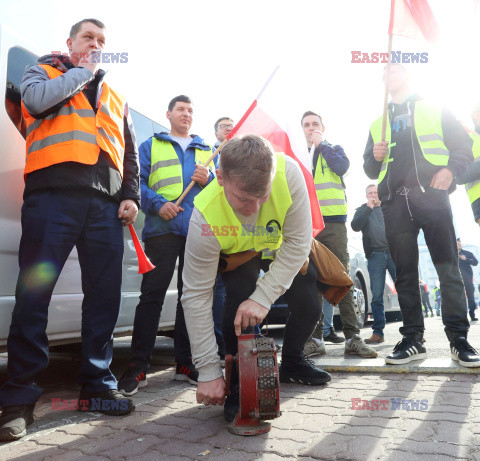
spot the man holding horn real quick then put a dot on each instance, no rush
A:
(258, 206)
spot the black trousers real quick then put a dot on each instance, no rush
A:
(470, 292)
(405, 214)
(302, 299)
(163, 251)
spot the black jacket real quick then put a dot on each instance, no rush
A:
(40, 96)
(466, 266)
(360, 224)
(456, 139)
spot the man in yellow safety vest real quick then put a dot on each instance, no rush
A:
(425, 148)
(168, 163)
(256, 205)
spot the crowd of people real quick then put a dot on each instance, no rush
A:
(85, 180)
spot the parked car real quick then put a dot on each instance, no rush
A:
(362, 294)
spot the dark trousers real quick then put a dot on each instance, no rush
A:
(404, 215)
(378, 264)
(334, 237)
(53, 222)
(163, 251)
(302, 299)
(470, 292)
(217, 308)
(426, 304)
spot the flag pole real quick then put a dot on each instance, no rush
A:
(214, 154)
(385, 96)
(229, 136)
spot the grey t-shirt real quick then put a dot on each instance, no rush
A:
(376, 229)
(183, 142)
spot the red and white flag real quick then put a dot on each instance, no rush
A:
(414, 19)
(266, 118)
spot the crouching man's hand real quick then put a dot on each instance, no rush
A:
(249, 314)
(211, 392)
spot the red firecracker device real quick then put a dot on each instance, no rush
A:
(257, 369)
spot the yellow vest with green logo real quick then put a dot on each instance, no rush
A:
(166, 176)
(266, 235)
(428, 129)
(473, 188)
(330, 192)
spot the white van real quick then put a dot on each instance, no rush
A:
(64, 317)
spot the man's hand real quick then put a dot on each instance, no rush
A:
(442, 179)
(249, 314)
(169, 210)
(211, 392)
(201, 175)
(90, 61)
(128, 211)
(462, 257)
(380, 150)
(371, 202)
(316, 138)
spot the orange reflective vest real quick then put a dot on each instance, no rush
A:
(75, 133)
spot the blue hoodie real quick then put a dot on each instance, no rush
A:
(151, 202)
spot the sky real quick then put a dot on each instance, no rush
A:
(221, 53)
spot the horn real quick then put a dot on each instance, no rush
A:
(144, 264)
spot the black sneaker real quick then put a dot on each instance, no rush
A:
(464, 353)
(109, 402)
(186, 372)
(232, 403)
(408, 349)
(14, 421)
(133, 379)
(303, 372)
(334, 338)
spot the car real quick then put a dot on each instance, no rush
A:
(362, 294)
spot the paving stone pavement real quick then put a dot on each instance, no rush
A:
(317, 423)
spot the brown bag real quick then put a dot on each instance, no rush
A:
(229, 263)
(334, 281)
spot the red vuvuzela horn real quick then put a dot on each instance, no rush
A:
(144, 264)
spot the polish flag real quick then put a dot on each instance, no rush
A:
(285, 134)
(414, 19)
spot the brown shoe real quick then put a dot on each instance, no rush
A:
(374, 339)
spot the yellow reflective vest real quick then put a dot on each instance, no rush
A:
(266, 235)
(330, 192)
(166, 176)
(428, 129)
(473, 188)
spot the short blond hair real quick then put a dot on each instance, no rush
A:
(251, 161)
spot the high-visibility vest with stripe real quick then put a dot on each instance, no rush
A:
(428, 129)
(330, 193)
(75, 133)
(166, 176)
(266, 235)
(473, 188)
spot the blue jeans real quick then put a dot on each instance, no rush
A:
(328, 318)
(378, 264)
(53, 222)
